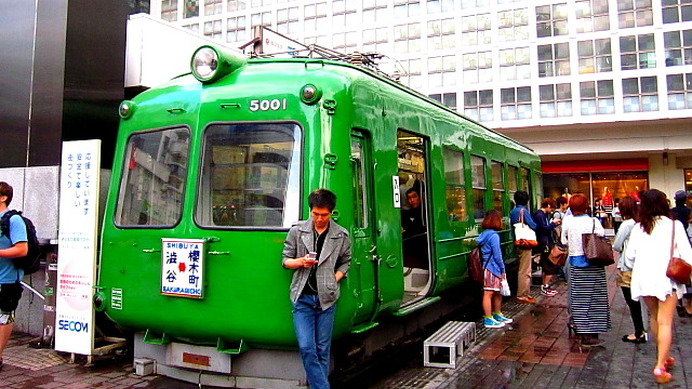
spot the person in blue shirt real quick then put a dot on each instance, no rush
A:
(521, 199)
(12, 246)
(493, 270)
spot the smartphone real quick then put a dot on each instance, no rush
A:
(312, 256)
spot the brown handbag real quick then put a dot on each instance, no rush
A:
(597, 249)
(678, 270)
(557, 255)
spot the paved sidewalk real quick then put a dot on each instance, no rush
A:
(536, 351)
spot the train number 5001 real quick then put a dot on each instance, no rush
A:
(267, 105)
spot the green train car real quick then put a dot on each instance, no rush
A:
(213, 168)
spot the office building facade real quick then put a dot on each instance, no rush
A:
(601, 89)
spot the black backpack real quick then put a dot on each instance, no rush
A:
(32, 261)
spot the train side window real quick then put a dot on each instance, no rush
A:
(250, 175)
(479, 186)
(153, 179)
(455, 185)
(525, 184)
(360, 217)
(512, 177)
(498, 184)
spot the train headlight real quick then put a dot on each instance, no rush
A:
(127, 108)
(210, 64)
(99, 301)
(310, 94)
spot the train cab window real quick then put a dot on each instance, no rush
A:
(479, 186)
(455, 185)
(249, 175)
(153, 179)
(498, 184)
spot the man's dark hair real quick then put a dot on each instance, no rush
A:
(628, 207)
(560, 201)
(412, 190)
(6, 190)
(322, 198)
(521, 197)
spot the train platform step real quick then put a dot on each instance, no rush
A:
(444, 347)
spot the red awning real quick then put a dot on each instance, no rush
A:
(599, 165)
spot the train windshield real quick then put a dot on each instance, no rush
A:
(250, 175)
(151, 190)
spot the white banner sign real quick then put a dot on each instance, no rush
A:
(182, 265)
(77, 244)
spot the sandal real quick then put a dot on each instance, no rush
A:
(662, 375)
(632, 338)
(670, 362)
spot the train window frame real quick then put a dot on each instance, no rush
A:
(479, 189)
(292, 204)
(361, 181)
(127, 167)
(497, 168)
(455, 185)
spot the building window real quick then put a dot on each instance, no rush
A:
(475, 30)
(468, 4)
(212, 29)
(513, 25)
(592, 15)
(635, 13)
(236, 5)
(441, 34)
(194, 27)
(679, 91)
(374, 10)
(640, 94)
(595, 56)
(448, 99)
(442, 71)
(553, 60)
(597, 97)
(678, 47)
(260, 3)
(236, 30)
(287, 20)
(407, 38)
(406, 8)
(344, 12)
(551, 20)
(438, 6)
(514, 64)
(412, 77)
(315, 15)
(478, 67)
(479, 186)
(261, 19)
(556, 100)
(374, 40)
(169, 10)
(516, 103)
(191, 8)
(345, 41)
(213, 7)
(479, 105)
(676, 11)
(637, 52)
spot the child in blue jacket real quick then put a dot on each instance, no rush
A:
(494, 272)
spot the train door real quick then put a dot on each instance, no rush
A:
(363, 250)
(415, 215)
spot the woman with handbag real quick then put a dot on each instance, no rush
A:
(628, 209)
(588, 292)
(521, 216)
(493, 270)
(654, 241)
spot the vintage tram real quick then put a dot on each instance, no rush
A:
(212, 169)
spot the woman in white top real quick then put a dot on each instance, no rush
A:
(649, 249)
(588, 292)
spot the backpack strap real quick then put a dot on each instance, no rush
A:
(5, 222)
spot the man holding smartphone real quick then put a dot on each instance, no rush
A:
(319, 250)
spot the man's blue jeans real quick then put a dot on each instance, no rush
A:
(314, 333)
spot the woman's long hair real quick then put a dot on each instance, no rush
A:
(653, 204)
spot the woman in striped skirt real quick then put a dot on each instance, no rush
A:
(588, 292)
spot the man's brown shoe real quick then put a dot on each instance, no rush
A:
(526, 300)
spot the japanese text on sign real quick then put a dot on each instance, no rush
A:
(181, 267)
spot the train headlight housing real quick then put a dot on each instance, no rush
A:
(209, 64)
(310, 94)
(127, 108)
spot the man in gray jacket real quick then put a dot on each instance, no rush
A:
(319, 251)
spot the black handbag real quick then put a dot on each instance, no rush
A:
(597, 249)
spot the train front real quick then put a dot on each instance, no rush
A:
(206, 182)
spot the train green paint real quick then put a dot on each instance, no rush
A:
(231, 162)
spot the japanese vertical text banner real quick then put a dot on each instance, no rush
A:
(77, 239)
